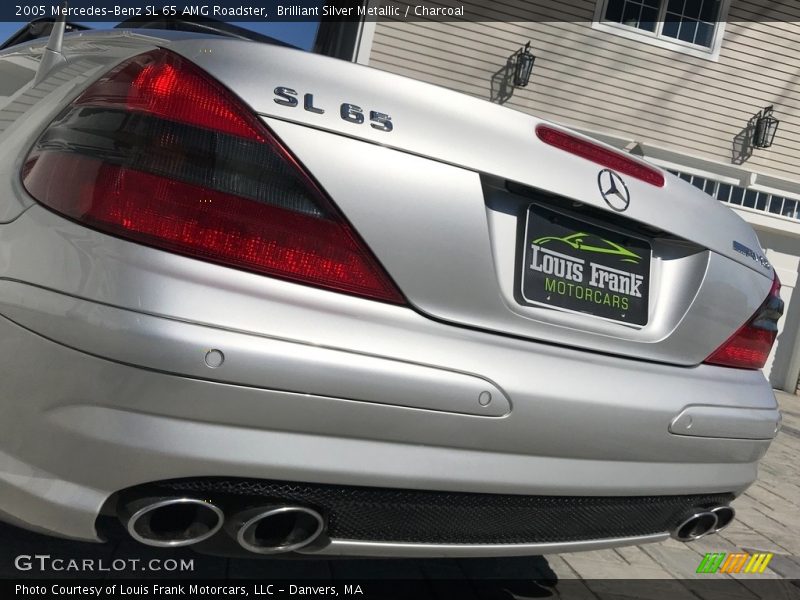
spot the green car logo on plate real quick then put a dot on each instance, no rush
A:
(596, 245)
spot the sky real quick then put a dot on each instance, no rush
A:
(299, 34)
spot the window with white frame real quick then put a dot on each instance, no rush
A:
(734, 194)
(695, 23)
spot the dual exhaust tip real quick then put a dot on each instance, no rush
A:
(702, 522)
(178, 522)
(276, 529)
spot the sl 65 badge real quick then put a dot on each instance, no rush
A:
(352, 113)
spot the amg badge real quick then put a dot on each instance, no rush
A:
(742, 249)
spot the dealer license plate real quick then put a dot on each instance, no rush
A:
(573, 265)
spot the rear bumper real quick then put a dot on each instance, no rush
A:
(96, 399)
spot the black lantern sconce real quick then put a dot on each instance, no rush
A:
(766, 127)
(522, 71)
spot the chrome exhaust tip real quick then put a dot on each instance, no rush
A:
(171, 522)
(276, 529)
(725, 515)
(698, 524)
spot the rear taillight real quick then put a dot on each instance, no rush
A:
(596, 153)
(159, 153)
(750, 346)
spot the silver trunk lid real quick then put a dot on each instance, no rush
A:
(441, 200)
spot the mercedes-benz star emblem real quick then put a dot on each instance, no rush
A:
(614, 190)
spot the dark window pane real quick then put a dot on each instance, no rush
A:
(681, 21)
(675, 6)
(724, 192)
(709, 186)
(698, 182)
(670, 29)
(775, 205)
(710, 10)
(750, 199)
(705, 34)
(761, 203)
(649, 18)
(652, 3)
(614, 10)
(790, 208)
(630, 15)
(686, 177)
(736, 195)
(691, 9)
(687, 31)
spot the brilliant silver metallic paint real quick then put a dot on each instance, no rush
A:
(441, 212)
(103, 342)
(395, 550)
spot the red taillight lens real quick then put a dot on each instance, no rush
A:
(163, 84)
(750, 346)
(600, 155)
(159, 153)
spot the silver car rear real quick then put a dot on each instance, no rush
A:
(352, 413)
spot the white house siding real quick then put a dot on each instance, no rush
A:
(680, 108)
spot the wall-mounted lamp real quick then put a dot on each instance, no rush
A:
(522, 71)
(766, 128)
